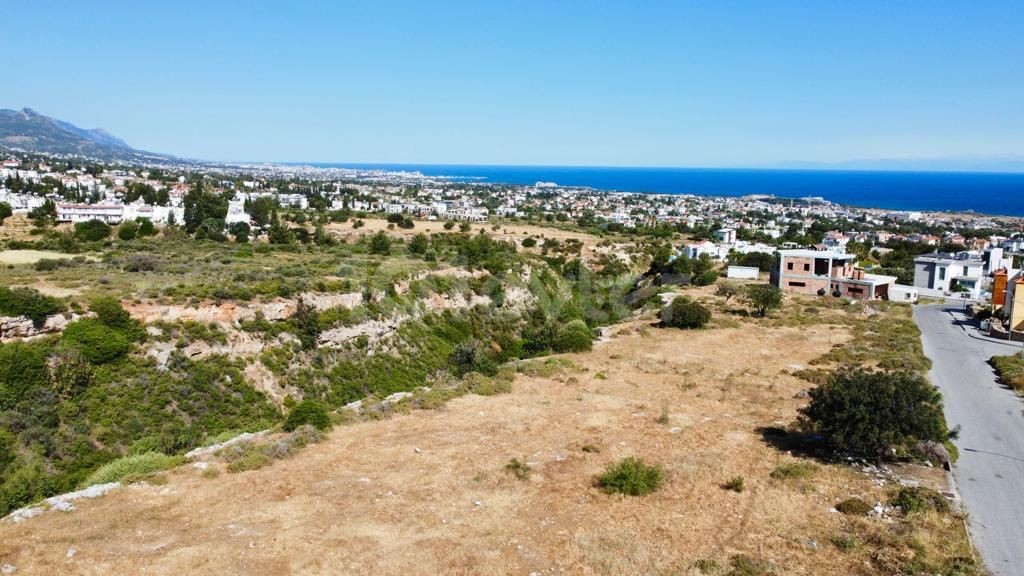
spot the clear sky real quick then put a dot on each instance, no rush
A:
(702, 83)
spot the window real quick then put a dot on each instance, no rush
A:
(965, 270)
(789, 266)
(797, 284)
(855, 290)
(807, 267)
(942, 273)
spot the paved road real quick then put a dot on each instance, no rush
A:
(990, 472)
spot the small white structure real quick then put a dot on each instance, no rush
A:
(902, 293)
(743, 272)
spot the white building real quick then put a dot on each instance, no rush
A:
(937, 272)
(109, 213)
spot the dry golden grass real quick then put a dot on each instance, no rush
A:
(428, 493)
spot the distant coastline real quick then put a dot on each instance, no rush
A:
(990, 193)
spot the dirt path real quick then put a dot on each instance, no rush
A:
(426, 493)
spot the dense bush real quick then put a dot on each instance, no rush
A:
(128, 230)
(92, 230)
(96, 341)
(22, 367)
(705, 278)
(685, 313)
(110, 312)
(380, 244)
(308, 412)
(631, 476)
(575, 336)
(870, 412)
(146, 227)
(30, 303)
(854, 507)
(914, 500)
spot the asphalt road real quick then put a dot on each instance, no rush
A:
(990, 472)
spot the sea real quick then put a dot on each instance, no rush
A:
(994, 193)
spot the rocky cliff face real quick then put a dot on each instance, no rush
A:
(13, 327)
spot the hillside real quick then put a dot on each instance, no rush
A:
(429, 492)
(29, 130)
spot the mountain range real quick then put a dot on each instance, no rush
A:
(27, 129)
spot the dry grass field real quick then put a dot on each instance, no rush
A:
(427, 492)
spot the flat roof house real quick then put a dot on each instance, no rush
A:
(819, 273)
(937, 272)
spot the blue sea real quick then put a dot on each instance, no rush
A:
(983, 192)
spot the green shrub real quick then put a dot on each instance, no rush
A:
(22, 368)
(869, 412)
(1010, 370)
(146, 227)
(128, 230)
(914, 500)
(685, 313)
(793, 470)
(110, 312)
(631, 476)
(92, 230)
(854, 507)
(575, 336)
(736, 484)
(741, 565)
(308, 412)
(131, 468)
(98, 342)
(30, 303)
(521, 470)
(252, 458)
(705, 278)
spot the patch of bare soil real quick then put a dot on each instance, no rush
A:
(428, 493)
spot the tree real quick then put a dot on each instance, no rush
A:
(307, 324)
(201, 205)
(128, 230)
(279, 232)
(211, 229)
(260, 210)
(419, 244)
(727, 290)
(146, 227)
(44, 214)
(870, 412)
(240, 230)
(5, 212)
(685, 313)
(92, 230)
(763, 297)
(449, 225)
(380, 244)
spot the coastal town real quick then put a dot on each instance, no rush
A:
(816, 246)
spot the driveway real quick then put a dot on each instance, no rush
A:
(990, 472)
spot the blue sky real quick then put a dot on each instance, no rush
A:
(722, 83)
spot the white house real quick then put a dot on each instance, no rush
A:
(708, 247)
(726, 235)
(938, 272)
